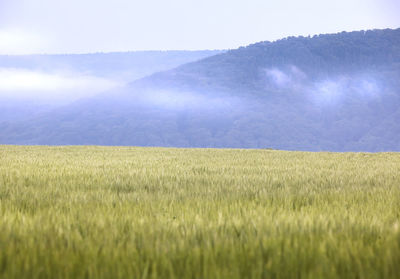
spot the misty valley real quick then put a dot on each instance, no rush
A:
(337, 92)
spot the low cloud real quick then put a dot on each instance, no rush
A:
(332, 91)
(278, 77)
(183, 100)
(291, 77)
(34, 84)
(327, 91)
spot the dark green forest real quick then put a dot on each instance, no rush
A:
(335, 92)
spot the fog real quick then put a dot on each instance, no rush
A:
(64, 86)
(57, 86)
(253, 97)
(285, 78)
(334, 109)
(326, 91)
(189, 100)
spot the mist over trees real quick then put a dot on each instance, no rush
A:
(33, 84)
(337, 92)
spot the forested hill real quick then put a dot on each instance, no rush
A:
(32, 84)
(320, 56)
(337, 92)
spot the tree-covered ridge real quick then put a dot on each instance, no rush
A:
(338, 92)
(318, 56)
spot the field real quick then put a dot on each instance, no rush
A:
(122, 212)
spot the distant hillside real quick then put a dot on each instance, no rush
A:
(96, 71)
(122, 65)
(338, 92)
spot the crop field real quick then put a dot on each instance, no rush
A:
(125, 212)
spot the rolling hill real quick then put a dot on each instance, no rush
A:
(32, 84)
(336, 92)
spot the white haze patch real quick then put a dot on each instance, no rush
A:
(183, 100)
(334, 90)
(278, 78)
(67, 86)
(289, 78)
(326, 92)
(367, 87)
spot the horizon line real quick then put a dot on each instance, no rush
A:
(196, 50)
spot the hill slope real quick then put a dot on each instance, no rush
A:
(27, 81)
(334, 92)
(123, 65)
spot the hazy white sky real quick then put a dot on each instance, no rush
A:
(76, 26)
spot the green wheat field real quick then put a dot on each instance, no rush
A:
(125, 212)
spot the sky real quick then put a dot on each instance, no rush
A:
(84, 26)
